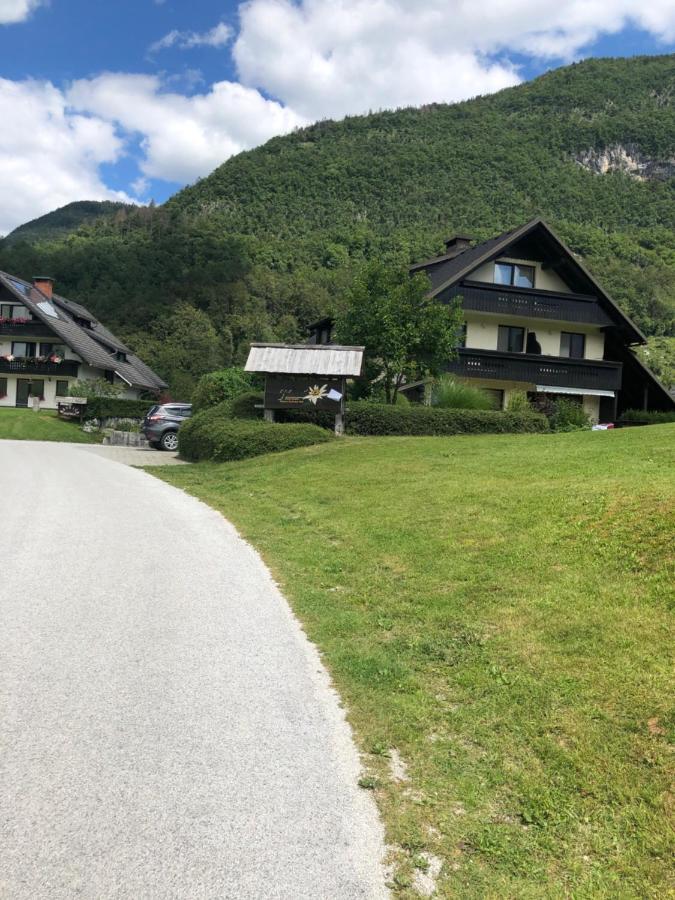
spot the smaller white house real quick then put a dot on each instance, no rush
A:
(47, 342)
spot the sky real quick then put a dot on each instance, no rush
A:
(132, 99)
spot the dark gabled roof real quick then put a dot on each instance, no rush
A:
(96, 345)
(445, 271)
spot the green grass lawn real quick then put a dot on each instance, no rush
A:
(495, 608)
(27, 425)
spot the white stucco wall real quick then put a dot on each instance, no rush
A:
(482, 331)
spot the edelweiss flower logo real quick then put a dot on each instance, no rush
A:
(316, 393)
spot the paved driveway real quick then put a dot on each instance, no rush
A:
(167, 731)
(134, 456)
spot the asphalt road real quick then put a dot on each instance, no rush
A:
(167, 730)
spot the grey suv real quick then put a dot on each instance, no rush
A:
(161, 424)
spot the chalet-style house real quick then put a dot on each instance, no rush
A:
(47, 342)
(537, 321)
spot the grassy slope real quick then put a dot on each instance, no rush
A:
(496, 609)
(26, 425)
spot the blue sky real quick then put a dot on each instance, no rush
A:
(135, 98)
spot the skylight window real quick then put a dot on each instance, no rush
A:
(20, 287)
(46, 307)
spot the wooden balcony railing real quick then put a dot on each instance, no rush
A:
(28, 366)
(26, 329)
(534, 369)
(531, 303)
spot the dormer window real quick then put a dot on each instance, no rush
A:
(514, 274)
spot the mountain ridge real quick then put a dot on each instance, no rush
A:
(271, 238)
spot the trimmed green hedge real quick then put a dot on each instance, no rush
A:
(118, 407)
(218, 438)
(244, 406)
(650, 417)
(380, 419)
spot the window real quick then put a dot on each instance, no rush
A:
(47, 349)
(514, 274)
(572, 345)
(3, 388)
(61, 388)
(510, 339)
(23, 348)
(10, 311)
(461, 336)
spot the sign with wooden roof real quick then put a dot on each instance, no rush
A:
(309, 376)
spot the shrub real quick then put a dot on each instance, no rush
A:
(244, 406)
(116, 407)
(214, 437)
(568, 415)
(380, 419)
(225, 384)
(448, 393)
(127, 425)
(94, 387)
(518, 402)
(649, 416)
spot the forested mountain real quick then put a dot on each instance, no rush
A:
(269, 240)
(63, 220)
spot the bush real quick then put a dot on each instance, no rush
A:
(116, 407)
(568, 415)
(649, 416)
(448, 393)
(94, 387)
(214, 437)
(380, 419)
(244, 406)
(215, 387)
(518, 402)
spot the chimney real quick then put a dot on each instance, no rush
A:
(457, 244)
(45, 284)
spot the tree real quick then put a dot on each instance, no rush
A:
(407, 335)
(181, 348)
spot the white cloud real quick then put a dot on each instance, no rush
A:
(327, 58)
(183, 137)
(49, 157)
(318, 58)
(12, 11)
(217, 36)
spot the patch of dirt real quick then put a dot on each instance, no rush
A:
(424, 880)
(398, 766)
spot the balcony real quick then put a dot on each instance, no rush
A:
(32, 328)
(28, 366)
(531, 303)
(553, 371)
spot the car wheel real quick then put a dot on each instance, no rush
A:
(169, 440)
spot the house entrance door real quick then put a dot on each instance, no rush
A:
(22, 391)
